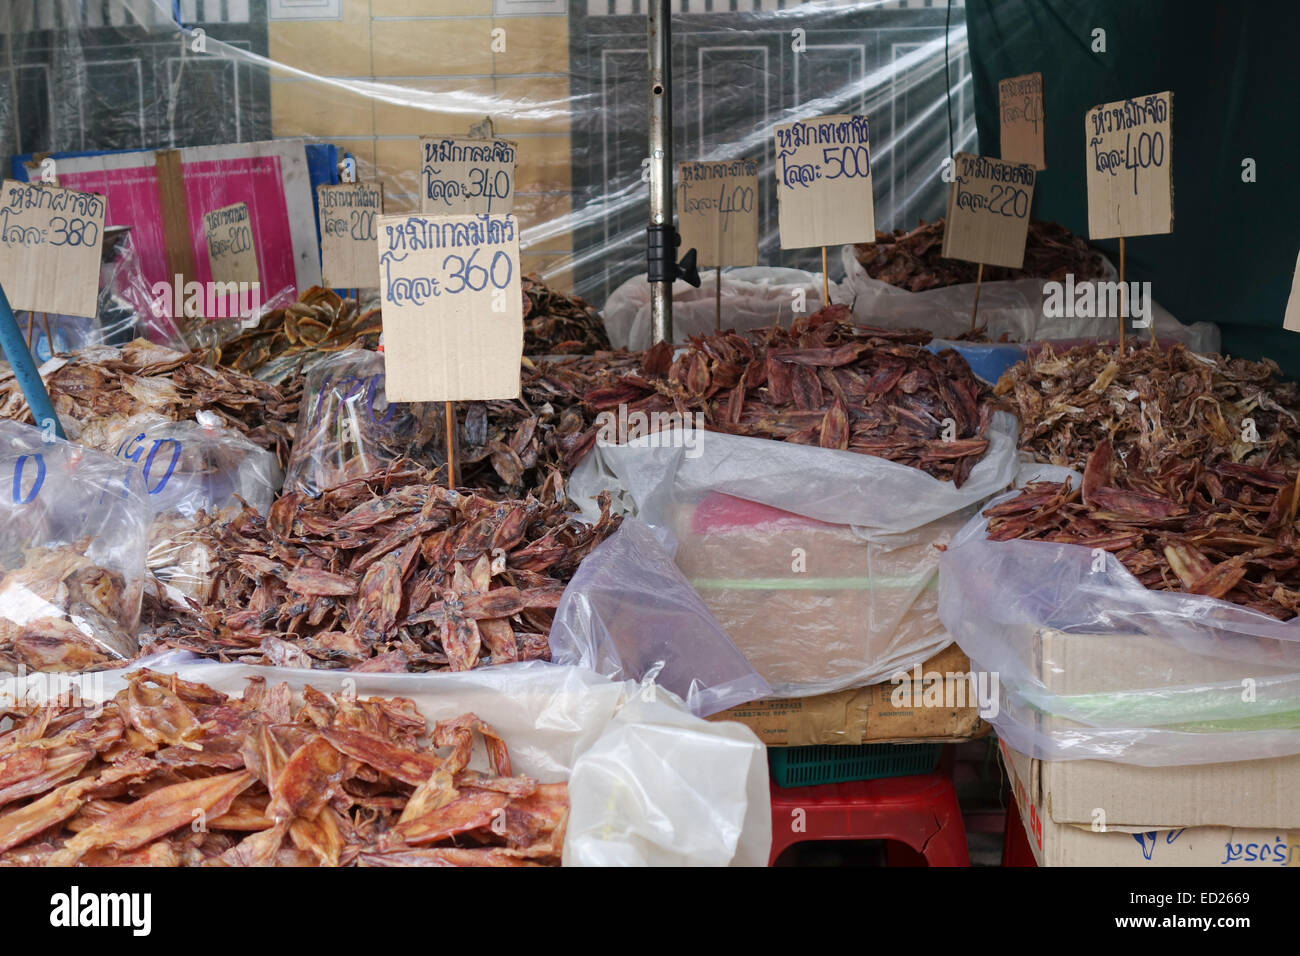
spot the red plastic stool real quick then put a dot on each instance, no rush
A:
(920, 811)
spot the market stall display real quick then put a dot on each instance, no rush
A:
(559, 324)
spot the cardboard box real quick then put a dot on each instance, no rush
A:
(812, 605)
(865, 714)
(1056, 841)
(1247, 793)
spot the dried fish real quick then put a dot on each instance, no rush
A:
(171, 773)
(284, 341)
(558, 324)
(1155, 406)
(912, 260)
(1201, 527)
(824, 382)
(96, 390)
(388, 571)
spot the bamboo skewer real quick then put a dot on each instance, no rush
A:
(975, 307)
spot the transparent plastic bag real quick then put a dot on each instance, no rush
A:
(752, 298)
(72, 556)
(649, 783)
(1013, 307)
(629, 614)
(190, 473)
(347, 427)
(819, 564)
(1094, 666)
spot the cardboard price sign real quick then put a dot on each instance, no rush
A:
(460, 176)
(453, 307)
(231, 251)
(717, 211)
(1020, 103)
(348, 218)
(1291, 321)
(1130, 167)
(823, 182)
(49, 248)
(988, 211)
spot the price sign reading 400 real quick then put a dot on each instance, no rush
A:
(453, 307)
(1129, 166)
(823, 182)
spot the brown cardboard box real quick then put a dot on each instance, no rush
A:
(1055, 842)
(863, 715)
(812, 605)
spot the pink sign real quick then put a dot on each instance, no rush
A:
(133, 200)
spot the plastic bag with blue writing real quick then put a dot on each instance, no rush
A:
(190, 474)
(72, 555)
(347, 427)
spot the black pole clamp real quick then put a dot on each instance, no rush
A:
(661, 257)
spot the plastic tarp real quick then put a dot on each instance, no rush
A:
(1093, 666)
(649, 784)
(564, 79)
(1013, 307)
(864, 605)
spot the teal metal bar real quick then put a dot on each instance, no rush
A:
(20, 359)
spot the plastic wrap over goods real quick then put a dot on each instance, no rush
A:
(752, 298)
(1021, 309)
(649, 784)
(820, 564)
(1091, 665)
(72, 555)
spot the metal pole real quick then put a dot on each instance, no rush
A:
(661, 159)
(29, 379)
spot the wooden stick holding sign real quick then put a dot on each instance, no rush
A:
(452, 311)
(1130, 176)
(717, 214)
(823, 185)
(50, 240)
(462, 176)
(988, 214)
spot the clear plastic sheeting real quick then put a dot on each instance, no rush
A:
(347, 427)
(1093, 666)
(72, 556)
(1015, 308)
(649, 784)
(752, 298)
(565, 79)
(820, 564)
(629, 614)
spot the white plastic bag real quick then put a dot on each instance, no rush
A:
(629, 614)
(752, 298)
(1094, 666)
(649, 784)
(1014, 307)
(865, 607)
(72, 555)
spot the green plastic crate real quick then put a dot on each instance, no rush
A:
(810, 766)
